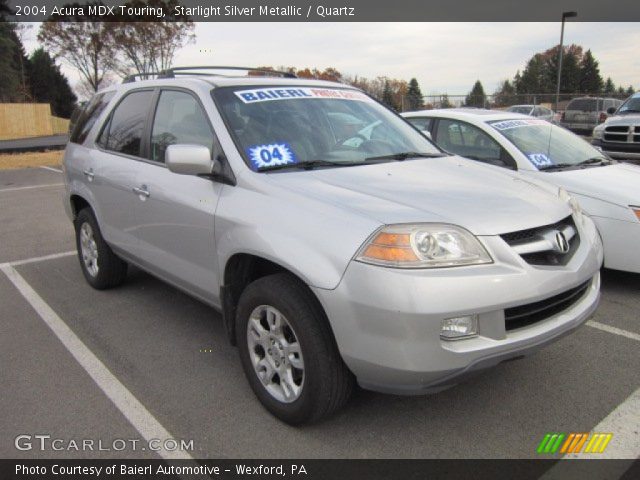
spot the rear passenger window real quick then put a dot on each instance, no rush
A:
(179, 119)
(124, 132)
(420, 123)
(88, 116)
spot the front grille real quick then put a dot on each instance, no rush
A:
(525, 315)
(622, 134)
(526, 242)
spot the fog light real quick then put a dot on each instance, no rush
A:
(459, 327)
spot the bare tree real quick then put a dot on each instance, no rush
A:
(150, 46)
(85, 46)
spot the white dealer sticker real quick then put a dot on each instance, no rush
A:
(508, 124)
(270, 94)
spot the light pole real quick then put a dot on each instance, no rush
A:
(565, 15)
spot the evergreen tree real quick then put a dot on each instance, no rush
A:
(609, 88)
(630, 90)
(505, 95)
(476, 97)
(13, 62)
(49, 85)
(590, 79)
(414, 95)
(444, 101)
(387, 96)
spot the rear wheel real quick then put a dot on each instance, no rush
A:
(288, 352)
(101, 267)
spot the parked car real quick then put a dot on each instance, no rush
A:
(608, 191)
(537, 111)
(619, 135)
(374, 257)
(584, 113)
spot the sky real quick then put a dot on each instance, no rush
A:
(444, 57)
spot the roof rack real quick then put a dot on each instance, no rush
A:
(172, 72)
(143, 76)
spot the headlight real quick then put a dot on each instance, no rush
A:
(429, 245)
(598, 132)
(573, 203)
(636, 210)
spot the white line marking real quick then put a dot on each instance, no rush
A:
(141, 419)
(624, 425)
(44, 258)
(31, 187)
(614, 330)
(51, 169)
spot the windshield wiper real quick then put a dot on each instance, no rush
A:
(594, 161)
(589, 161)
(308, 165)
(404, 155)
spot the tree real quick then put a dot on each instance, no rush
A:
(84, 45)
(630, 90)
(609, 87)
(149, 46)
(49, 85)
(590, 79)
(414, 95)
(387, 96)
(13, 60)
(444, 101)
(476, 97)
(505, 95)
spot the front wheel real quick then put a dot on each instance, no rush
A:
(288, 352)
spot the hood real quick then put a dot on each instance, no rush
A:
(625, 119)
(618, 183)
(485, 200)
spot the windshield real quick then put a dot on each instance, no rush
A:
(547, 146)
(520, 109)
(631, 105)
(288, 125)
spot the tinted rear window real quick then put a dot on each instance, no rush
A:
(127, 122)
(583, 105)
(89, 115)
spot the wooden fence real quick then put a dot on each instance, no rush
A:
(22, 120)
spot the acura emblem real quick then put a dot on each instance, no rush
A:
(561, 243)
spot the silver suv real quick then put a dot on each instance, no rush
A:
(619, 136)
(339, 244)
(584, 113)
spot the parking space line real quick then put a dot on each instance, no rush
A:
(31, 187)
(51, 169)
(44, 258)
(614, 330)
(133, 410)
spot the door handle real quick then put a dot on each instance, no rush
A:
(142, 190)
(89, 174)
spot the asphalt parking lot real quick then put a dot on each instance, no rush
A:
(145, 360)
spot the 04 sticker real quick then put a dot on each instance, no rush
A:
(270, 155)
(540, 159)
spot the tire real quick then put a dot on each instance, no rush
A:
(102, 269)
(324, 385)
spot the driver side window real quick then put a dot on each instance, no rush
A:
(469, 141)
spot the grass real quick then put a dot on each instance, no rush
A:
(28, 160)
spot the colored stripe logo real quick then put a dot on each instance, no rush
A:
(574, 443)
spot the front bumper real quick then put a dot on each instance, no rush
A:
(620, 151)
(387, 321)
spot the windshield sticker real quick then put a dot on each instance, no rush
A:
(509, 124)
(270, 94)
(540, 159)
(270, 155)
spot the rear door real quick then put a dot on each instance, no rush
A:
(176, 212)
(114, 168)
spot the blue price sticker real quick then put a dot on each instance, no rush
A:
(270, 155)
(540, 159)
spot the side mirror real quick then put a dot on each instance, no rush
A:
(189, 159)
(611, 110)
(427, 134)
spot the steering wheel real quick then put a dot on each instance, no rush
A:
(342, 141)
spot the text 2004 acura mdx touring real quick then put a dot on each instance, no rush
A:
(339, 243)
